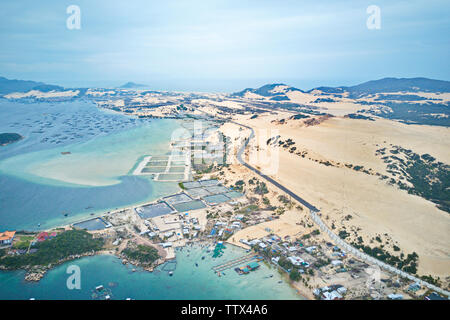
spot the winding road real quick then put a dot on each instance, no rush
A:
(339, 241)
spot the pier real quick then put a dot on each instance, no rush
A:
(235, 262)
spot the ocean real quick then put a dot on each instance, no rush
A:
(39, 184)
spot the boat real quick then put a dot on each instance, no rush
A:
(170, 273)
(100, 287)
(196, 264)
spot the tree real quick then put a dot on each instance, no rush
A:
(295, 275)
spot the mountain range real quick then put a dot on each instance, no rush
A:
(276, 91)
(9, 86)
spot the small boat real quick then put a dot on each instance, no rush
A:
(203, 258)
(100, 287)
(170, 273)
(196, 264)
(39, 224)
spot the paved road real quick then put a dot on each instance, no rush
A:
(289, 192)
(339, 241)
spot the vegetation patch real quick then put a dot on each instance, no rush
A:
(143, 254)
(66, 244)
(428, 178)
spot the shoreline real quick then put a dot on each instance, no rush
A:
(35, 277)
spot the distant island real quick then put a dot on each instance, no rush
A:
(133, 85)
(8, 138)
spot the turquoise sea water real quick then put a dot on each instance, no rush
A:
(187, 282)
(39, 184)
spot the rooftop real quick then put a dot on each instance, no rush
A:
(7, 235)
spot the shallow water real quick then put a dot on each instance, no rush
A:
(39, 184)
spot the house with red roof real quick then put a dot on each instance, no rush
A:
(42, 236)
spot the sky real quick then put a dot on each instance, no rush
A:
(223, 45)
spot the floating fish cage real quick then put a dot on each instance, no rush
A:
(101, 293)
(218, 250)
(169, 266)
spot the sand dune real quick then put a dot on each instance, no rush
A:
(410, 222)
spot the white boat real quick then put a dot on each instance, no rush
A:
(100, 287)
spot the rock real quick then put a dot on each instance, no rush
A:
(34, 276)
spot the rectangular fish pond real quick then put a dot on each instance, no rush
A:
(215, 199)
(154, 210)
(187, 206)
(92, 224)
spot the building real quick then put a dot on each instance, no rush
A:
(253, 265)
(434, 296)
(394, 296)
(311, 249)
(262, 245)
(336, 262)
(7, 237)
(296, 261)
(42, 236)
(166, 244)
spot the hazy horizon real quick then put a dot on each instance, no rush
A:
(223, 46)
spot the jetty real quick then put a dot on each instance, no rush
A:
(234, 262)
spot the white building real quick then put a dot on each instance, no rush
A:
(262, 245)
(336, 262)
(296, 261)
(311, 249)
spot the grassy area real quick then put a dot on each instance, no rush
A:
(72, 242)
(23, 242)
